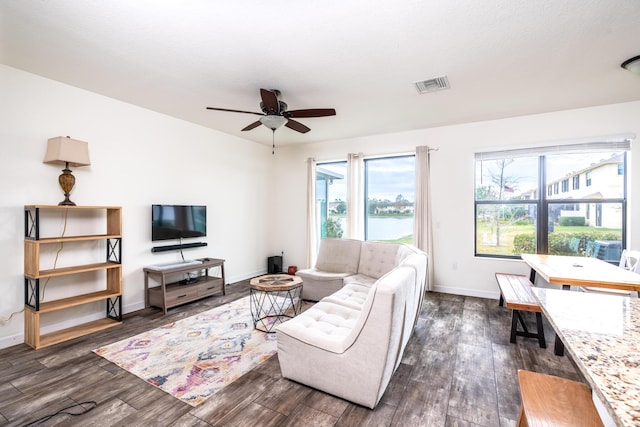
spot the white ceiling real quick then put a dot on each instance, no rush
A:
(503, 58)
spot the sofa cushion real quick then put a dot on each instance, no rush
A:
(318, 284)
(353, 296)
(377, 259)
(321, 276)
(359, 279)
(325, 325)
(339, 256)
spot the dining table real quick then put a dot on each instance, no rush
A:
(580, 271)
(601, 333)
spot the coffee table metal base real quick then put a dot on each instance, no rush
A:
(270, 307)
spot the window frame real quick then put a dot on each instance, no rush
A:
(365, 192)
(320, 229)
(543, 202)
(365, 217)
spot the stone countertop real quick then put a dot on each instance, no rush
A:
(602, 334)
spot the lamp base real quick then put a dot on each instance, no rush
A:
(66, 181)
(66, 202)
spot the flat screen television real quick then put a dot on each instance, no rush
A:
(170, 222)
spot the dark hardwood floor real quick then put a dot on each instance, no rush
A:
(459, 369)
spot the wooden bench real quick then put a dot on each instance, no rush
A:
(553, 401)
(516, 294)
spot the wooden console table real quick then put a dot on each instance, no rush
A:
(169, 295)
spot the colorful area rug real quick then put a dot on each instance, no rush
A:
(194, 358)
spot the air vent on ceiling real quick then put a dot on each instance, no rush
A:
(432, 85)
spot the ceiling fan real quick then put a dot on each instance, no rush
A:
(275, 114)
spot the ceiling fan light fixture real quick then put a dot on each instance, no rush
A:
(273, 122)
(632, 64)
(275, 115)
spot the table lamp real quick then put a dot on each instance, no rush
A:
(69, 152)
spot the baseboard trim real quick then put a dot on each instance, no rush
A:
(246, 276)
(130, 308)
(12, 340)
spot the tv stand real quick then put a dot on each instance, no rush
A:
(169, 295)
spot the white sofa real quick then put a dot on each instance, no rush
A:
(344, 261)
(351, 342)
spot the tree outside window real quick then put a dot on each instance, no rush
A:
(331, 192)
(505, 203)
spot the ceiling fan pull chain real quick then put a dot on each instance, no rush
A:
(273, 141)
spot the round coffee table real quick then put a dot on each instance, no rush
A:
(274, 298)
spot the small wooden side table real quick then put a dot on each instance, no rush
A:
(274, 298)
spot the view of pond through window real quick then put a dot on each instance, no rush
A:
(389, 199)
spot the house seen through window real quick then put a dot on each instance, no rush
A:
(518, 208)
(331, 199)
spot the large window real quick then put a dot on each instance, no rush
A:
(390, 198)
(518, 208)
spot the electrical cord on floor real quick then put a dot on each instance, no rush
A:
(73, 410)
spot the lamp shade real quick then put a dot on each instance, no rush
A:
(66, 150)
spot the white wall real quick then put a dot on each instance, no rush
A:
(456, 269)
(138, 157)
(256, 202)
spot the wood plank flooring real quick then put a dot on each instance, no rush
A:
(459, 369)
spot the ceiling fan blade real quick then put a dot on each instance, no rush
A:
(297, 126)
(234, 111)
(311, 112)
(270, 100)
(253, 125)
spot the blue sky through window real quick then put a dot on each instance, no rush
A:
(388, 177)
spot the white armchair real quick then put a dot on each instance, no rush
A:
(337, 259)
